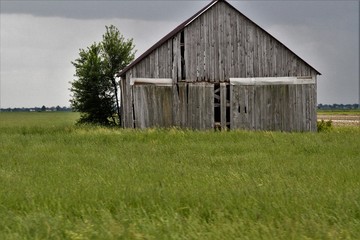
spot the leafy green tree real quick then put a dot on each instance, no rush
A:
(95, 89)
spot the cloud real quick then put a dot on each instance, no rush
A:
(39, 39)
(36, 54)
(142, 10)
(323, 33)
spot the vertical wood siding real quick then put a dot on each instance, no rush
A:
(273, 107)
(222, 44)
(218, 45)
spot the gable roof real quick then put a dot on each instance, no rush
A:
(187, 22)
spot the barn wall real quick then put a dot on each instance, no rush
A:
(126, 102)
(219, 45)
(290, 107)
(222, 44)
(156, 106)
(153, 106)
(274, 107)
(161, 63)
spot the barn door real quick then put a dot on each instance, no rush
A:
(241, 106)
(280, 104)
(200, 106)
(152, 106)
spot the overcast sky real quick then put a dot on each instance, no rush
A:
(39, 39)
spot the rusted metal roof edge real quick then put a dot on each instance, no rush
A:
(187, 22)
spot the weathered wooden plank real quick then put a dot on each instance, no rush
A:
(257, 109)
(293, 109)
(152, 81)
(298, 108)
(204, 47)
(265, 116)
(256, 53)
(228, 70)
(285, 109)
(191, 104)
(234, 106)
(235, 44)
(151, 65)
(140, 107)
(216, 37)
(183, 98)
(221, 42)
(272, 80)
(128, 102)
(245, 119)
(241, 107)
(303, 101)
(123, 101)
(282, 107)
(314, 105)
(209, 109)
(170, 60)
(252, 112)
(175, 106)
(262, 110)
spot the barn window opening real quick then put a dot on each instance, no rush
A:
(182, 53)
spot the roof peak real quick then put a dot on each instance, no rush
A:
(171, 34)
(189, 21)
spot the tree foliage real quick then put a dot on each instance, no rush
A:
(95, 89)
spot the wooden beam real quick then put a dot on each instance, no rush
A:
(151, 81)
(272, 81)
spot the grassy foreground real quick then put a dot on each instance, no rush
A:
(59, 181)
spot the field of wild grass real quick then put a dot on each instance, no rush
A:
(60, 181)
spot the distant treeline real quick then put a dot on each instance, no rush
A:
(38, 109)
(338, 106)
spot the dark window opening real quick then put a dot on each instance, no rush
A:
(182, 52)
(217, 110)
(228, 106)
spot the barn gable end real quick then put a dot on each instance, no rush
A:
(200, 57)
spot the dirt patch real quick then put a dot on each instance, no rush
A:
(341, 120)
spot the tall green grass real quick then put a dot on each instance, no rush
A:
(59, 181)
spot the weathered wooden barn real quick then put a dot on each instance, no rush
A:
(219, 69)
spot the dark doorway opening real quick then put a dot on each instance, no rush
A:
(217, 108)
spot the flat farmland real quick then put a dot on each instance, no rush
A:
(341, 118)
(61, 181)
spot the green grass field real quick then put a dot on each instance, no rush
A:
(60, 181)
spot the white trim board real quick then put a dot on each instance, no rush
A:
(272, 81)
(151, 81)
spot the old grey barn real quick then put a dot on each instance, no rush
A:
(219, 69)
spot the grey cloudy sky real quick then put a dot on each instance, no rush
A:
(39, 39)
